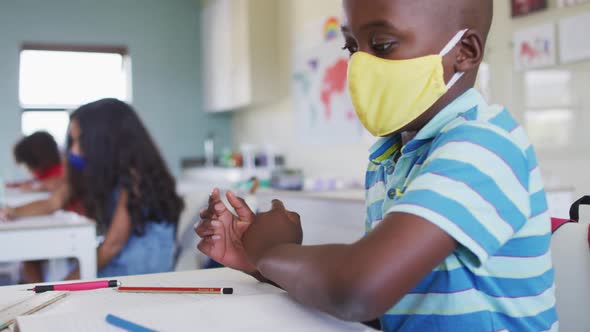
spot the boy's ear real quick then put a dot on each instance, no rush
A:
(470, 55)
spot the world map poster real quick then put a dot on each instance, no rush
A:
(323, 111)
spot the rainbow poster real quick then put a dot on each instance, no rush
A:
(332, 29)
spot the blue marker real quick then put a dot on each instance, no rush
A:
(126, 325)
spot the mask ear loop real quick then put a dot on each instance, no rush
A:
(454, 80)
(456, 39)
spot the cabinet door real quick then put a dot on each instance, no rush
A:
(225, 55)
(241, 65)
(215, 32)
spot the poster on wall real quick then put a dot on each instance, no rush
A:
(535, 47)
(323, 110)
(525, 7)
(567, 3)
(573, 38)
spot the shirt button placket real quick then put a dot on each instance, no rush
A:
(391, 193)
(390, 169)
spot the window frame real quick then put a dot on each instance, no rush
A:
(59, 47)
(80, 48)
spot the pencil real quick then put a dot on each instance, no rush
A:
(126, 325)
(190, 290)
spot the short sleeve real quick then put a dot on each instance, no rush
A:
(474, 186)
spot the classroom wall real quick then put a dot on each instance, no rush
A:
(562, 169)
(163, 40)
(274, 122)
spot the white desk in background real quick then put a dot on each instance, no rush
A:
(61, 235)
(17, 197)
(254, 306)
(326, 217)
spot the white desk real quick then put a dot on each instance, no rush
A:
(253, 307)
(60, 235)
(326, 217)
(17, 197)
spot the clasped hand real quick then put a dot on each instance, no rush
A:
(241, 241)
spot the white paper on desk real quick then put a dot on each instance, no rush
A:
(271, 312)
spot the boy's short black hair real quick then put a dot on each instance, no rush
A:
(38, 151)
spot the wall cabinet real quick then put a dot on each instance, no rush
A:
(239, 53)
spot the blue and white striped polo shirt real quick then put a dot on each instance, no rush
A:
(472, 172)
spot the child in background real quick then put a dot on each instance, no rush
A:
(117, 177)
(39, 153)
(458, 229)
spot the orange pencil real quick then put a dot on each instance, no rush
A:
(177, 290)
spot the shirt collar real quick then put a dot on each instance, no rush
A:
(386, 147)
(462, 104)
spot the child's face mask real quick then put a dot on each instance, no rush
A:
(77, 162)
(389, 94)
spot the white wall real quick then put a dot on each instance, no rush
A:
(562, 168)
(274, 122)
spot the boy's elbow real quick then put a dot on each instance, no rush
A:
(356, 303)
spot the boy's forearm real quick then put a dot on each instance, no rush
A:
(318, 276)
(360, 281)
(258, 276)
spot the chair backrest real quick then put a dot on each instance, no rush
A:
(187, 257)
(571, 260)
(9, 273)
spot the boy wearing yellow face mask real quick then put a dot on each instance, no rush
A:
(457, 224)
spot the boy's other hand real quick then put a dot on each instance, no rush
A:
(275, 227)
(221, 231)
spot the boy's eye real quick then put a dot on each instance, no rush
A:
(383, 44)
(383, 48)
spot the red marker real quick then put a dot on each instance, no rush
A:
(195, 290)
(77, 286)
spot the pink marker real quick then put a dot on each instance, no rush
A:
(77, 286)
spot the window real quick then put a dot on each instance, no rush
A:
(550, 128)
(51, 121)
(55, 79)
(550, 117)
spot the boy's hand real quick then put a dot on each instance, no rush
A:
(275, 227)
(221, 231)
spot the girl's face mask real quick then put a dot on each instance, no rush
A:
(77, 162)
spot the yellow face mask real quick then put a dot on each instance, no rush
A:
(389, 94)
